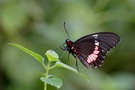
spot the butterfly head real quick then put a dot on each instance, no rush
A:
(68, 42)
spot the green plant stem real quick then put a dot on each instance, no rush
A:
(46, 74)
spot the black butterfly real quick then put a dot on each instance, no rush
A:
(91, 49)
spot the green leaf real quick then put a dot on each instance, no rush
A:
(60, 64)
(52, 81)
(41, 74)
(33, 54)
(52, 55)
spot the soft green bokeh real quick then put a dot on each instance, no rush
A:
(38, 25)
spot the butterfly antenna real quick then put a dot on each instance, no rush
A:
(66, 29)
(63, 43)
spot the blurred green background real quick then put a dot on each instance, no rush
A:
(38, 25)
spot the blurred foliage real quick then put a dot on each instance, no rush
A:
(38, 25)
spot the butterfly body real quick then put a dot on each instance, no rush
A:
(91, 49)
(70, 47)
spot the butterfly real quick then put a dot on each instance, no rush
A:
(92, 49)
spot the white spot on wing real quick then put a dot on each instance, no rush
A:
(96, 35)
(96, 43)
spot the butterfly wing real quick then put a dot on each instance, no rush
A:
(92, 48)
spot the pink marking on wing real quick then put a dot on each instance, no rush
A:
(88, 60)
(95, 55)
(96, 48)
(96, 52)
(92, 57)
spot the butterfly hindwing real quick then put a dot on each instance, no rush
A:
(84, 50)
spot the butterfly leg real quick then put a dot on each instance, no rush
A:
(63, 53)
(62, 48)
(77, 65)
(68, 57)
(76, 62)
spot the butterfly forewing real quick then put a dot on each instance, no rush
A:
(92, 49)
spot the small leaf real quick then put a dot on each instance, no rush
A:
(52, 55)
(41, 74)
(52, 81)
(60, 64)
(33, 54)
